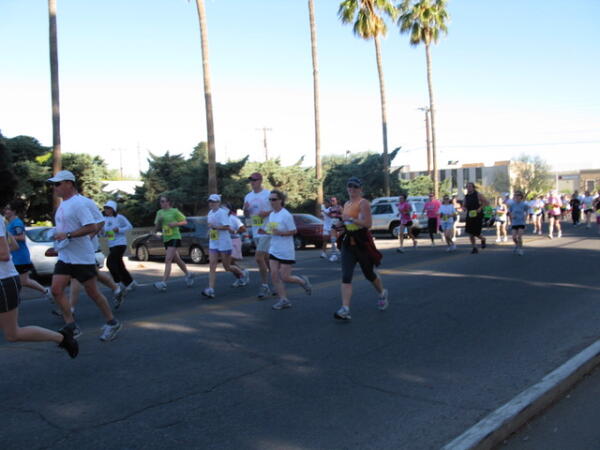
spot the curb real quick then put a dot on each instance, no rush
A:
(497, 426)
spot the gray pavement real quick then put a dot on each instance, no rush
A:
(572, 423)
(463, 335)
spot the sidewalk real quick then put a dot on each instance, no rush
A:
(571, 423)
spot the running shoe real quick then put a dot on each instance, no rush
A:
(57, 312)
(323, 255)
(131, 286)
(73, 329)
(504, 239)
(333, 257)
(209, 293)
(161, 286)
(474, 250)
(483, 243)
(343, 314)
(189, 279)
(382, 302)
(306, 284)
(238, 282)
(246, 273)
(453, 247)
(118, 296)
(69, 343)
(559, 234)
(399, 250)
(282, 304)
(109, 332)
(48, 295)
(520, 252)
(498, 240)
(550, 236)
(264, 291)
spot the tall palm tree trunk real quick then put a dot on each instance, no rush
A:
(315, 63)
(386, 162)
(436, 174)
(53, 39)
(210, 131)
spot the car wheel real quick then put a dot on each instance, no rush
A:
(141, 253)
(394, 230)
(298, 242)
(198, 256)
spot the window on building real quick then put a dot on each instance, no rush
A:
(442, 176)
(454, 175)
(589, 185)
(466, 176)
(478, 176)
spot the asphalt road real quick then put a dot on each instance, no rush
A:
(463, 335)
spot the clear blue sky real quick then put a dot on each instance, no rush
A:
(511, 77)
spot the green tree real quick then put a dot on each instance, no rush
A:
(531, 176)
(425, 20)
(89, 172)
(368, 19)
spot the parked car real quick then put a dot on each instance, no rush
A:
(309, 231)
(194, 243)
(40, 241)
(386, 219)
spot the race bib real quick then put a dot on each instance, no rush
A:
(473, 213)
(445, 217)
(167, 230)
(257, 221)
(214, 234)
(110, 235)
(271, 226)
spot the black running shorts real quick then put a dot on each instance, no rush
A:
(81, 272)
(9, 293)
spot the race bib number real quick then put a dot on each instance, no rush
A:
(167, 230)
(445, 217)
(214, 234)
(271, 226)
(110, 235)
(257, 221)
(473, 213)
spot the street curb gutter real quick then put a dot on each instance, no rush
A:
(497, 426)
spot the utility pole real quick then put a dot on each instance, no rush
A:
(428, 141)
(264, 130)
(54, 89)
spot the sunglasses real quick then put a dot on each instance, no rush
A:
(253, 179)
(57, 184)
(352, 185)
(274, 199)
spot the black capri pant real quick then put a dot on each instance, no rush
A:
(352, 254)
(116, 266)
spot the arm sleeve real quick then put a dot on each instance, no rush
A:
(85, 216)
(180, 217)
(124, 224)
(289, 223)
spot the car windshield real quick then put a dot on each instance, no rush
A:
(197, 225)
(41, 234)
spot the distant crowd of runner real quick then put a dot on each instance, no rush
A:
(346, 229)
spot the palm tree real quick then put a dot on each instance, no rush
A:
(56, 151)
(367, 16)
(210, 131)
(425, 20)
(315, 63)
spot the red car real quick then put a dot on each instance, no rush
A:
(309, 231)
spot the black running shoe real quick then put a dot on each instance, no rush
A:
(474, 250)
(483, 245)
(69, 343)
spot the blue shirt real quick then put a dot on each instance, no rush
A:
(16, 227)
(518, 213)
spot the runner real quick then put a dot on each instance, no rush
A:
(474, 203)
(405, 214)
(74, 225)
(597, 209)
(518, 217)
(335, 212)
(538, 205)
(447, 214)
(169, 219)
(115, 227)
(575, 208)
(21, 257)
(257, 208)
(219, 246)
(357, 246)
(588, 208)
(10, 286)
(500, 221)
(458, 207)
(553, 209)
(236, 228)
(432, 209)
(102, 277)
(327, 221)
(281, 227)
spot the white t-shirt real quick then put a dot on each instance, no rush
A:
(71, 215)
(7, 268)
(327, 219)
(120, 222)
(98, 218)
(219, 239)
(235, 224)
(281, 247)
(588, 202)
(447, 213)
(257, 203)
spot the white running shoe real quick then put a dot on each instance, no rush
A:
(559, 234)
(209, 293)
(323, 255)
(238, 282)
(246, 280)
(48, 295)
(189, 279)
(109, 332)
(550, 236)
(498, 240)
(383, 302)
(264, 291)
(343, 314)
(504, 239)
(161, 286)
(306, 285)
(282, 304)
(131, 286)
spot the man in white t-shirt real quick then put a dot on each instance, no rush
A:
(257, 207)
(76, 254)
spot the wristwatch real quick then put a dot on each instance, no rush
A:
(68, 235)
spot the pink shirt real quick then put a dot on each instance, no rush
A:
(554, 205)
(404, 210)
(432, 208)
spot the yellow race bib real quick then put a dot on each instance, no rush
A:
(214, 234)
(110, 235)
(473, 213)
(167, 230)
(257, 221)
(271, 226)
(445, 217)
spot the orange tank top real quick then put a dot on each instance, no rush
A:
(352, 209)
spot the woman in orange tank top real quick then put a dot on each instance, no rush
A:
(357, 247)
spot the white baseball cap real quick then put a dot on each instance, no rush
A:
(214, 198)
(111, 204)
(63, 175)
